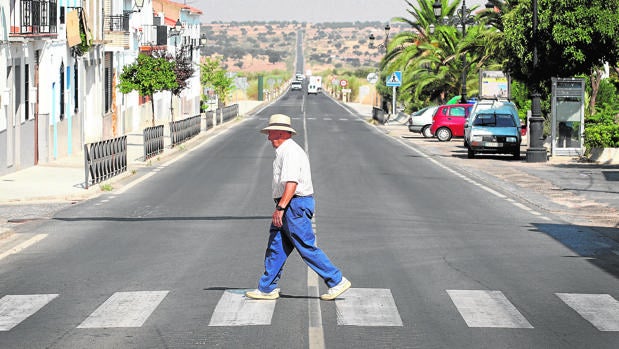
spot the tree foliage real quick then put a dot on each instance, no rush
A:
(573, 38)
(213, 76)
(148, 75)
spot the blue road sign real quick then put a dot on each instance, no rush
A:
(394, 80)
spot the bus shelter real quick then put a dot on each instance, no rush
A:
(568, 116)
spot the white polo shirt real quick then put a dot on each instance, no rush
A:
(291, 164)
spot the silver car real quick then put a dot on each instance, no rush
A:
(421, 120)
(496, 131)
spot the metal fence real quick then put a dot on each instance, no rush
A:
(182, 130)
(153, 141)
(105, 159)
(229, 112)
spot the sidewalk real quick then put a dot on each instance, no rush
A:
(37, 191)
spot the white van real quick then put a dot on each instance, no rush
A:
(312, 89)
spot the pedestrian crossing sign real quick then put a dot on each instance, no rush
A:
(394, 79)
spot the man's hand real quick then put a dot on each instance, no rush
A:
(278, 217)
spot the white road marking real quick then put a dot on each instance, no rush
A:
(33, 240)
(17, 308)
(367, 307)
(481, 308)
(316, 333)
(327, 119)
(234, 309)
(601, 310)
(125, 309)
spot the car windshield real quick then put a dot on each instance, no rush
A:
(494, 120)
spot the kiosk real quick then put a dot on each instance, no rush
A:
(568, 116)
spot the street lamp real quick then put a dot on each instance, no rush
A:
(385, 43)
(138, 4)
(536, 151)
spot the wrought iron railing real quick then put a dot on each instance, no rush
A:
(105, 159)
(116, 23)
(182, 130)
(35, 17)
(153, 141)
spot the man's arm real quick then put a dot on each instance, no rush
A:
(289, 190)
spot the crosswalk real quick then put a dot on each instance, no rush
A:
(358, 307)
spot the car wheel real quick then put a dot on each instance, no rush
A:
(443, 134)
(425, 131)
(471, 153)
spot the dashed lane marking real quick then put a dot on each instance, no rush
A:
(33, 240)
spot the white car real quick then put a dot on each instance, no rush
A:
(312, 89)
(296, 85)
(421, 120)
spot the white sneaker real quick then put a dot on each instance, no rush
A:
(336, 290)
(257, 294)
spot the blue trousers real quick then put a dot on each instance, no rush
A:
(296, 232)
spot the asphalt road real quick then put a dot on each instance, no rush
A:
(436, 260)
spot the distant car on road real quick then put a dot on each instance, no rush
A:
(421, 120)
(296, 85)
(496, 131)
(448, 121)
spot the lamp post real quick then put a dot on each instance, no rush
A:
(138, 4)
(536, 151)
(384, 44)
(461, 19)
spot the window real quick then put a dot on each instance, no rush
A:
(108, 76)
(27, 92)
(456, 111)
(62, 111)
(76, 99)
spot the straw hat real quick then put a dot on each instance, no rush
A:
(279, 122)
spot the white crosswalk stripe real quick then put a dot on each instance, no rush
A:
(481, 308)
(125, 309)
(234, 309)
(601, 310)
(367, 307)
(357, 307)
(17, 308)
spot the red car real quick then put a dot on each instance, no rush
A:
(448, 121)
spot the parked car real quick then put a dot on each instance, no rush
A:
(448, 121)
(485, 104)
(421, 120)
(496, 131)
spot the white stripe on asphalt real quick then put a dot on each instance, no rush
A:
(601, 310)
(367, 307)
(125, 309)
(234, 309)
(33, 240)
(17, 308)
(481, 308)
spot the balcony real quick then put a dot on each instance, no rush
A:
(34, 18)
(116, 30)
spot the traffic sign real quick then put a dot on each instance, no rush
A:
(394, 80)
(343, 83)
(372, 78)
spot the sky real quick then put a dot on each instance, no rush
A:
(312, 11)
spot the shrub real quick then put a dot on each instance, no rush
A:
(602, 129)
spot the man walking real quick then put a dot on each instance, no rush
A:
(291, 225)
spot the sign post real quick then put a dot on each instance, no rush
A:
(394, 80)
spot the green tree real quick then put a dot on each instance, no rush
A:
(148, 75)
(574, 37)
(213, 76)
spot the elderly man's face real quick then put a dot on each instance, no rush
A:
(278, 137)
